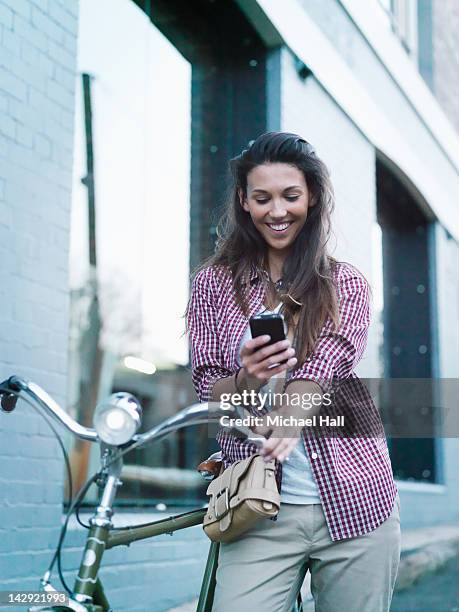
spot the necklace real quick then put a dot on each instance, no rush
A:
(279, 285)
(281, 288)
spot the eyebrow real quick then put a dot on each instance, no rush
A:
(286, 189)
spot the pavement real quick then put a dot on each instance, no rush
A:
(429, 568)
(437, 592)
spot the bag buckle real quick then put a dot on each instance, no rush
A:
(218, 500)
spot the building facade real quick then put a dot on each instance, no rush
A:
(371, 85)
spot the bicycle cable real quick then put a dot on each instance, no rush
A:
(57, 554)
(78, 518)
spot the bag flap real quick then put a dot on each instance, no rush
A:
(231, 477)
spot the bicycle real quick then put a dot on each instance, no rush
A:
(116, 423)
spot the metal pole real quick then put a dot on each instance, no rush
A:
(88, 180)
(89, 351)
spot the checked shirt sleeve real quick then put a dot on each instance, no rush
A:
(206, 357)
(338, 352)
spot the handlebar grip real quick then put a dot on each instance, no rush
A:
(9, 400)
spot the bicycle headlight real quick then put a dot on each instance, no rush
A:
(118, 418)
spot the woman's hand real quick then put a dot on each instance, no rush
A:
(278, 448)
(283, 439)
(261, 362)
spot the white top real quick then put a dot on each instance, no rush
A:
(298, 484)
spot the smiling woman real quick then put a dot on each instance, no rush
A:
(272, 256)
(280, 180)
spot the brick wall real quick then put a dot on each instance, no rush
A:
(445, 41)
(151, 575)
(37, 62)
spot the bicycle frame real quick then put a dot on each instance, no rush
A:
(88, 592)
(88, 588)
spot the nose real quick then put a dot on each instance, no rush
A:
(277, 210)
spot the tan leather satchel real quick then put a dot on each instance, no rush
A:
(242, 495)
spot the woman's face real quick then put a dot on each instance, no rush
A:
(277, 200)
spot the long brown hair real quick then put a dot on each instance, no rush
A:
(309, 293)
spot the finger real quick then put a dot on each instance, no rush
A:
(262, 430)
(280, 345)
(279, 448)
(269, 454)
(280, 443)
(268, 373)
(282, 450)
(255, 343)
(268, 367)
(270, 446)
(277, 359)
(266, 351)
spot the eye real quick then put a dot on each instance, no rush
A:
(292, 198)
(262, 201)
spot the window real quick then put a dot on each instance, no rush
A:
(402, 15)
(408, 329)
(159, 181)
(127, 307)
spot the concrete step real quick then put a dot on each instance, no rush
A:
(424, 551)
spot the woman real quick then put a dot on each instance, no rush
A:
(339, 514)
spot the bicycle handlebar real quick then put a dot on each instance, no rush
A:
(196, 414)
(45, 401)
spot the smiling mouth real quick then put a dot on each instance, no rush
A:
(279, 227)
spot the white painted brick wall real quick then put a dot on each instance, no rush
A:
(36, 97)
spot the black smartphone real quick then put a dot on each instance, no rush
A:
(271, 324)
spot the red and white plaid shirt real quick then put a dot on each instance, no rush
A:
(353, 474)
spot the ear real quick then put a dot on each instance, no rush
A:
(243, 200)
(312, 201)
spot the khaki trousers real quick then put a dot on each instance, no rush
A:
(265, 569)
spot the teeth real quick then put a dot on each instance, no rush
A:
(279, 227)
